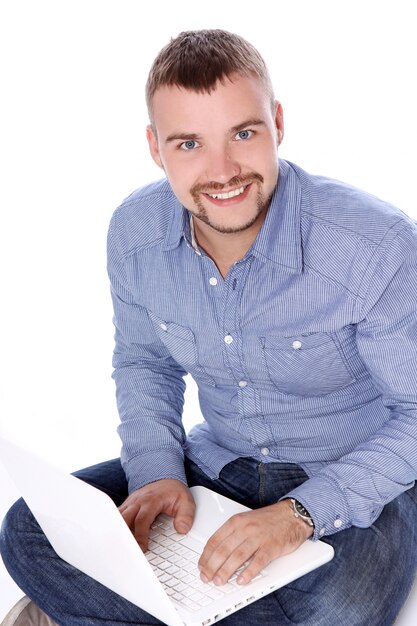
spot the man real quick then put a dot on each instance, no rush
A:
(291, 299)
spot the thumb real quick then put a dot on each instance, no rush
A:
(184, 517)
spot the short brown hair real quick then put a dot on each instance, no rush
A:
(198, 59)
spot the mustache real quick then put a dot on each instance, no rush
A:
(236, 181)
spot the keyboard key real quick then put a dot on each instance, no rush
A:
(165, 525)
(193, 544)
(166, 542)
(196, 583)
(178, 596)
(166, 553)
(214, 593)
(158, 572)
(174, 559)
(164, 577)
(227, 588)
(190, 555)
(190, 604)
(196, 596)
(188, 578)
(182, 550)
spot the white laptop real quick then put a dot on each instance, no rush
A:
(86, 530)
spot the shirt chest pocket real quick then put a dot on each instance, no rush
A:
(305, 365)
(181, 344)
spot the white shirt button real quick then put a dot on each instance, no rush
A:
(213, 281)
(265, 451)
(164, 327)
(337, 523)
(296, 344)
(243, 383)
(228, 339)
(322, 531)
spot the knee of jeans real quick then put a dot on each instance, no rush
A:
(18, 537)
(18, 519)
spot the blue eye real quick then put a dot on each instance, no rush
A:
(190, 144)
(244, 134)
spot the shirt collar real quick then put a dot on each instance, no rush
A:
(179, 226)
(278, 241)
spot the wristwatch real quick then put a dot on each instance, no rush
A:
(300, 511)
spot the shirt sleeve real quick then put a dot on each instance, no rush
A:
(354, 490)
(149, 387)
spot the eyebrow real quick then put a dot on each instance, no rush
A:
(250, 122)
(184, 136)
(176, 136)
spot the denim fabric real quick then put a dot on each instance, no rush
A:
(365, 585)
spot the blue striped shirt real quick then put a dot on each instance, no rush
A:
(306, 353)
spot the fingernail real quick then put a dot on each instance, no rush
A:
(182, 528)
(204, 578)
(217, 580)
(241, 580)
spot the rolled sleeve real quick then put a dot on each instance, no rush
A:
(326, 504)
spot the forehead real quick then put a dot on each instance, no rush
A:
(238, 98)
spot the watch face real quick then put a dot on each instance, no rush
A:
(301, 510)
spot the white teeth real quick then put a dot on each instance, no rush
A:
(229, 194)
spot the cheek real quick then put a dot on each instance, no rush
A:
(264, 156)
(272, 158)
(181, 179)
(181, 172)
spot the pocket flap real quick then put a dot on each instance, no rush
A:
(296, 342)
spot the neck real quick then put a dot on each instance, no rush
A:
(225, 249)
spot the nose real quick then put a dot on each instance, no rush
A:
(221, 166)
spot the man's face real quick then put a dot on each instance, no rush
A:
(219, 150)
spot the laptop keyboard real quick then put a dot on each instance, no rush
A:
(174, 557)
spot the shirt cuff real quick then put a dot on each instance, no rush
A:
(326, 504)
(147, 467)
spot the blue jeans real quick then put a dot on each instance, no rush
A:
(365, 584)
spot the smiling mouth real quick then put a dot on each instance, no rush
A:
(228, 194)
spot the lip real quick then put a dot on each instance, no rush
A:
(229, 201)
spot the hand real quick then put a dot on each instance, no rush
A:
(257, 536)
(168, 496)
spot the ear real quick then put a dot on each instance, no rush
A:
(279, 121)
(153, 145)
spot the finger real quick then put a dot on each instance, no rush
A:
(209, 550)
(240, 555)
(184, 517)
(223, 535)
(128, 512)
(259, 561)
(223, 560)
(143, 521)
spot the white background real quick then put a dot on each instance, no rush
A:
(72, 146)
